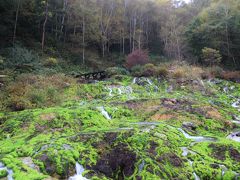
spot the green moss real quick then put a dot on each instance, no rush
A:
(77, 131)
(3, 173)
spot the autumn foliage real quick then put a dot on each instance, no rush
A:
(137, 57)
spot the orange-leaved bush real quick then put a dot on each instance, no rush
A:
(137, 57)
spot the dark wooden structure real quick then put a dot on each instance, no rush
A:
(93, 76)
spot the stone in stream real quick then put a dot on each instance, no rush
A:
(28, 161)
(235, 136)
(215, 81)
(169, 89)
(236, 104)
(189, 125)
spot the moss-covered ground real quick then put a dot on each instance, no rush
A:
(140, 141)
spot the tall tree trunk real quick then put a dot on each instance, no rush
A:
(227, 33)
(134, 31)
(44, 25)
(83, 39)
(64, 15)
(123, 39)
(15, 24)
(130, 35)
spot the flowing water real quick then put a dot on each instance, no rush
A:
(141, 166)
(79, 172)
(9, 171)
(196, 138)
(186, 151)
(104, 112)
(120, 90)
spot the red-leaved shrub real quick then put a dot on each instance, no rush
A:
(137, 57)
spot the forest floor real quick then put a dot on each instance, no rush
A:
(127, 128)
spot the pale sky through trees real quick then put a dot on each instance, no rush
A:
(187, 1)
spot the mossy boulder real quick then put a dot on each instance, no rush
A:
(3, 173)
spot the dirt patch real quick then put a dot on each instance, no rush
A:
(211, 112)
(172, 158)
(110, 137)
(108, 140)
(175, 104)
(152, 149)
(146, 106)
(218, 151)
(48, 163)
(48, 117)
(119, 162)
(234, 154)
(162, 117)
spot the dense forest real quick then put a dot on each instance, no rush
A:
(119, 89)
(171, 29)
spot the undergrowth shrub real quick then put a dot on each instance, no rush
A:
(216, 71)
(162, 71)
(137, 71)
(19, 55)
(149, 70)
(30, 91)
(231, 76)
(211, 56)
(116, 71)
(187, 72)
(51, 62)
(137, 57)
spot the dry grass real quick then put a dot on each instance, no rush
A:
(162, 117)
(231, 75)
(48, 117)
(185, 71)
(31, 91)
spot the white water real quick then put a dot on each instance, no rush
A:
(186, 151)
(148, 129)
(119, 90)
(10, 172)
(141, 166)
(169, 89)
(79, 171)
(149, 81)
(224, 169)
(196, 177)
(236, 104)
(110, 91)
(236, 122)
(134, 80)
(225, 89)
(129, 90)
(195, 138)
(104, 112)
(146, 123)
